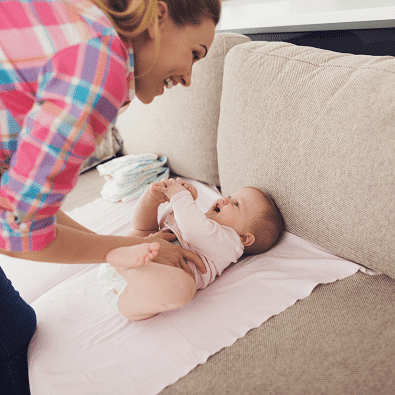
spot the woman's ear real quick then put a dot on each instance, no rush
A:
(159, 21)
(247, 239)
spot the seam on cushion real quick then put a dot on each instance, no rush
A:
(318, 65)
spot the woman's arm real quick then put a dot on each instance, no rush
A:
(75, 246)
(70, 245)
(64, 219)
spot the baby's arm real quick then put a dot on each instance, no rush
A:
(195, 227)
(218, 243)
(215, 242)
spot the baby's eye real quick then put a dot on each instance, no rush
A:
(236, 204)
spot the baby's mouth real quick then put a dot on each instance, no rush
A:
(216, 208)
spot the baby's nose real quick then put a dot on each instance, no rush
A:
(225, 201)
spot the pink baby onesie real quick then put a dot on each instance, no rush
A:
(217, 245)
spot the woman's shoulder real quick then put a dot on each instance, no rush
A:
(77, 21)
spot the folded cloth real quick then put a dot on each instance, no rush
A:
(128, 176)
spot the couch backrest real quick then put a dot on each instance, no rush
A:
(316, 130)
(182, 123)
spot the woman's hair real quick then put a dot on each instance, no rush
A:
(132, 17)
(129, 17)
(192, 12)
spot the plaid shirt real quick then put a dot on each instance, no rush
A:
(64, 73)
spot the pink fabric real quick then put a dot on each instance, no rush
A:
(64, 74)
(82, 346)
(216, 244)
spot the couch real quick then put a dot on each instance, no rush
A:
(315, 130)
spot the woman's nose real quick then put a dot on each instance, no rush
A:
(186, 79)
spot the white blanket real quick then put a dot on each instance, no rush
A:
(83, 347)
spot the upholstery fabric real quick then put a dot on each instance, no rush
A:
(339, 340)
(315, 129)
(182, 123)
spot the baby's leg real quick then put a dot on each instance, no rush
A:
(154, 288)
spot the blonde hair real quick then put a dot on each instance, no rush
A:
(129, 17)
(132, 17)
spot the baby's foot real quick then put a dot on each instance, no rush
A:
(124, 258)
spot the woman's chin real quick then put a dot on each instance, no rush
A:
(145, 99)
(148, 97)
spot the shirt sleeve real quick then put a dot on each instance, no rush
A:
(79, 92)
(218, 243)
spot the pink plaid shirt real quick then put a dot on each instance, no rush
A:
(64, 74)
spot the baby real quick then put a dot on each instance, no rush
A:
(247, 222)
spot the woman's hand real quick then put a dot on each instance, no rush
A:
(174, 255)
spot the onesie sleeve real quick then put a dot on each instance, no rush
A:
(216, 242)
(79, 92)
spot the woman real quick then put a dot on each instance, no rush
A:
(66, 68)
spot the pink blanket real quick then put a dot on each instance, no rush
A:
(83, 347)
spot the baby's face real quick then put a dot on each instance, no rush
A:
(239, 210)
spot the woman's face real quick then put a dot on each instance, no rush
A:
(166, 59)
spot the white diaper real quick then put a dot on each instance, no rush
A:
(111, 284)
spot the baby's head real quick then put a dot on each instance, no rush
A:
(253, 215)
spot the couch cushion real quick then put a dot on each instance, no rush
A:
(182, 123)
(315, 129)
(339, 340)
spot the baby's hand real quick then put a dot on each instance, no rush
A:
(172, 187)
(169, 188)
(190, 188)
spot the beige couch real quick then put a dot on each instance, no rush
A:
(315, 129)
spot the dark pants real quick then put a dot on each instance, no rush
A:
(17, 325)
